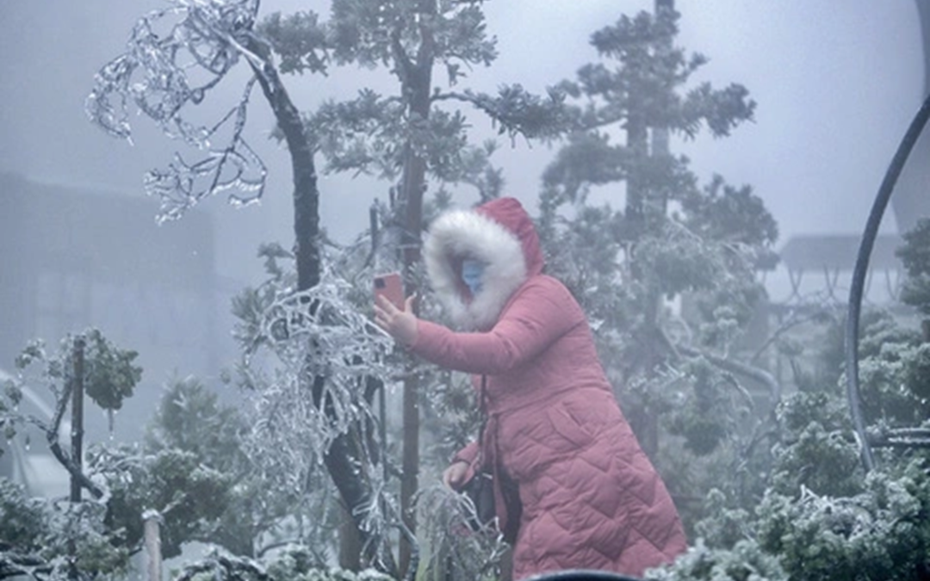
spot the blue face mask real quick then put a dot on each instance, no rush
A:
(472, 272)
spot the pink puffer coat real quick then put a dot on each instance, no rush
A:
(591, 498)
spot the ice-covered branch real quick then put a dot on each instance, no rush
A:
(314, 333)
(15, 565)
(456, 552)
(162, 73)
(755, 373)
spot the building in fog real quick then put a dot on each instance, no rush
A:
(73, 258)
(823, 263)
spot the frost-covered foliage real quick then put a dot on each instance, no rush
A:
(313, 364)
(744, 562)
(450, 417)
(378, 134)
(889, 371)
(836, 471)
(189, 496)
(173, 58)
(820, 516)
(308, 335)
(874, 527)
(109, 374)
(21, 517)
(454, 551)
(880, 533)
(293, 562)
(105, 372)
(255, 513)
(192, 471)
(916, 258)
(50, 539)
(39, 536)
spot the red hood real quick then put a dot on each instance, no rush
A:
(499, 233)
(509, 213)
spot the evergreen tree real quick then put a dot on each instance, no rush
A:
(410, 138)
(916, 258)
(665, 268)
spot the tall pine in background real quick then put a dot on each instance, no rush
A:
(665, 267)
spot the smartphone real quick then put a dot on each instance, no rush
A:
(391, 286)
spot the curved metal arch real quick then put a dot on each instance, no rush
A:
(859, 275)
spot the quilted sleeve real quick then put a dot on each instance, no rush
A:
(468, 454)
(541, 312)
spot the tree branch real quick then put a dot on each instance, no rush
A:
(754, 373)
(19, 565)
(51, 435)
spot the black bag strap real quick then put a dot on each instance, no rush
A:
(483, 408)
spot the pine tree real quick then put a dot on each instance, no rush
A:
(672, 239)
(413, 139)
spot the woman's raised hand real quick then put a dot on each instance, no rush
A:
(400, 324)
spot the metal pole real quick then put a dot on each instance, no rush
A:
(859, 275)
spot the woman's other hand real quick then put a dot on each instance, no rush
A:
(454, 476)
(400, 324)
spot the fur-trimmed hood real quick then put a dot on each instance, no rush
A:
(499, 233)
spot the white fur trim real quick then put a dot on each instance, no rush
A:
(459, 233)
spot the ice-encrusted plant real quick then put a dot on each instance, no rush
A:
(63, 538)
(173, 58)
(310, 362)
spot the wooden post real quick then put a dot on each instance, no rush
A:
(152, 535)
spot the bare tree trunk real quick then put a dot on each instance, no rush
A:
(77, 436)
(417, 83)
(646, 207)
(77, 416)
(655, 208)
(636, 219)
(350, 548)
(344, 455)
(306, 194)
(637, 141)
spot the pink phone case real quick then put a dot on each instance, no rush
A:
(391, 286)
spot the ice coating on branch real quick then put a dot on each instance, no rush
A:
(173, 58)
(296, 338)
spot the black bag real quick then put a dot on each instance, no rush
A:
(480, 490)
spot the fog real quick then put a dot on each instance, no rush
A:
(836, 85)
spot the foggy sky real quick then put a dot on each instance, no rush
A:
(836, 84)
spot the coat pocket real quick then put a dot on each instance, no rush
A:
(572, 435)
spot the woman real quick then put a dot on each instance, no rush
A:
(590, 497)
